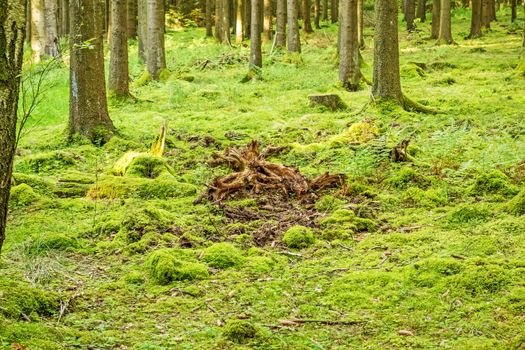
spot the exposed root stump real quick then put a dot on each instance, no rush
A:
(331, 101)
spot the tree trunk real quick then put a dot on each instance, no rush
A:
(349, 72)
(156, 59)
(247, 13)
(334, 14)
(64, 18)
(325, 10)
(422, 10)
(280, 30)
(28, 22)
(142, 29)
(307, 22)
(361, 25)
(436, 15)
(118, 82)
(513, 14)
(255, 40)
(410, 11)
(132, 9)
(492, 10)
(38, 31)
(239, 36)
(225, 23)
(445, 30)
(317, 14)
(52, 47)
(485, 14)
(267, 21)
(475, 22)
(386, 79)
(88, 111)
(209, 18)
(294, 41)
(219, 16)
(12, 31)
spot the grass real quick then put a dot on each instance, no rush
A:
(433, 247)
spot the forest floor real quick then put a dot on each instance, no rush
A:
(421, 254)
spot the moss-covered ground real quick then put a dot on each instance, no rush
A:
(415, 255)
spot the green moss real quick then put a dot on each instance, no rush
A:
(328, 203)
(240, 331)
(431, 198)
(468, 214)
(482, 279)
(52, 242)
(143, 80)
(49, 161)
(299, 237)
(223, 256)
(140, 221)
(493, 182)
(164, 75)
(406, 177)
(22, 196)
(119, 145)
(40, 184)
(133, 277)
(516, 205)
(165, 266)
(18, 299)
(430, 272)
(146, 166)
(259, 265)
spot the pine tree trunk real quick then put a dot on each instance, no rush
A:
(361, 25)
(225, 23)
(317, 14)
(410, 11)
(280, 30)
(156, 59)
(247, 13)
(307, 22)
(88, 111)
(219, 16)
(386, 80)
(255, 40)
(267, 21)
(325, 10)
(52, 46)
(294, 41)
(492, 9)
(64, 18)
(349, 72)
(422, 10)
(436, 15)
(28, 22)
(513, 13)
(334, 14)
(132, 9)
(118, 82)
(445, 30)
(239, 22)
(209, 18)
(12, 33)
(485, 14)
(142, 29)
(475, 22)
(38, 30)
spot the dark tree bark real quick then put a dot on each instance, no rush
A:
(142, 28)
(436, 15)
(410, 12)
(52, 46)
(445, 28)
(422, 10)
(361, 24)
(513, 13)
(132, 11)
(28, 22)
(280, 30)
(209, 18)
(267, 21)
(317, 14)
(64, 18)
(247, 16)
(255, 40)
(239, 36)
(294, 40)
(38, 30)
(156, 57)
(118, 82)
(219, 17)
(306, 11)
(386, 78)
(485, 14)
(349, 72)
(334, 14)
(492, 10)
(325, 10)
(475, 22)
(88, 111)
(12, 31)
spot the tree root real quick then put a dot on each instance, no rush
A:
(413, 106)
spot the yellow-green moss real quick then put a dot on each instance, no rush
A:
(493, 182)
(516, 205)
(144, 79)
(223, 255)
(328, 203)
(165, 266)
(52, 242)
(299, 237)
(240, 331)
(18, 299)
(22, 195)
(48, 161)
(146, 166)
(406, 177)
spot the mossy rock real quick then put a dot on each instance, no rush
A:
(47, 161)
(51, 242)
(240, 331)
(516, 205)
(493, 182)
(223, 255)
(299, 237)
(165, 266)
(18, 299)
(22, 195)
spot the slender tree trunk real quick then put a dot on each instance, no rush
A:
(513, 14)
(386, 81)
(280, 30)
(255, 40)
(118, 82)
(52, 47)
(132, 10)
(267, 21)
(247, 15)
(325, 10)
(422, 10)
(445, 30)
(38, 30)
(225, 23)
(349, 72)
(361, 24)
(219, 16)
(307, 22)
(436, 15)
(142, 29)
(485, 14)
(492, 10)
(334, 15)
(294, 41)
(12, 31)
(64, 18)
(88, 111)
(410, 11)
(317, 14)
(28, 22)
(156, 58)
(475, 22)
(209, 18)
(239, 36)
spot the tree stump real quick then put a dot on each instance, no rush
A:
(331, 101)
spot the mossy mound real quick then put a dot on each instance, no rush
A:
(143, 79)
(516, 205)
(20, 300)
(407, 177)
(165, 266)
(51, 242)
(49, 161)
(357, 133)
(328, 203)
(140, 221)
(429, 272)
(147, 166)
(22, 196)
(240, 331)
(299, 237)
(469, 213)
(482, 279)
(40, 184)
(493, 182)
(431, 198)
(223, 255)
